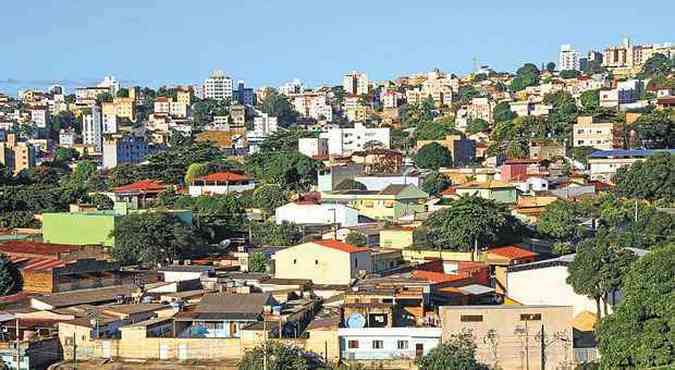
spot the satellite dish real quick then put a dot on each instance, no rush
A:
(356, 320)
(225, 243)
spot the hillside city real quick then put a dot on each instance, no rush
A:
(494, 220)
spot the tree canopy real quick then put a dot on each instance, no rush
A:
(656, 130)
(278, 105)
(10, 277)
(290, 170)
(433, 156)
(435, 183)
(456, 353)
(651, 179)
(277, 355)
(356, 239)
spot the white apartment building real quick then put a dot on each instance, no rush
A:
(264, 125)
(110, 83)
(342, 140)
(569, 59)
(39, 117)
(355, 83)
(312, 104)
(390, 99)
(313, 146)
(292, 87)
(481, 108)
(218, 86)
(92, 129)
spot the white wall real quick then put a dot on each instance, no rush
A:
(428, 337)
(317, 214)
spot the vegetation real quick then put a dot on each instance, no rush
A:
(276, 356)
(527, 75)
(10, 277)
(656, 130)
(269, 197)
(290, 170)
(258, 262)
(349, 184)
(651, 179)
(270, 233)
(356, 239)
(476, 126)
(457, 353)
(278, 105)
(433, 156)
(435, 183)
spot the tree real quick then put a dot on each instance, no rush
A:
(560, 221)
(457, 353)
(10, 277)
(356, 239)
(285, 140)
(105, 97)
(152, 238)
(277, 356)
(581, 153)
(432, 130)
(350, 184)
(590, 100)
(651, 179)
(527, 75)
(401, 140)
(101, 201)
(123, 92)
(63, 154)
(502, 112)
(468, 220)
(569, 73)
(269, 197)
(512, 138)
(270, 233)
(258, 262)
(435, 183)
(550, 67)
(433, 156)
(639, 334)
(290, 170)
(477, 125)
(277, 105)
(194, 171)
(657, 65)
(656, 130)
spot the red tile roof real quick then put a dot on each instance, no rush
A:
(341, 246)
(36, 264)
(437, 277)
(143, 186)
(512, 252)
(225, 176)
(25, 247)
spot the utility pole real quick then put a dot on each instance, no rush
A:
(527, 346)
(18, 353)
(265, 344)
(74, 351)
(543, 349)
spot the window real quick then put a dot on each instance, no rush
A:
(378, 344)
(471, 318)
(353, 344)
(402, 344)
(295, 261)
(356, 262)
(530, 317)
(316, 262)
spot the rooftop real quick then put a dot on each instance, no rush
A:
(512, 252)
(143, 186)
(226, 176)
(341, 246)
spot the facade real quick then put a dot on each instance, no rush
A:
(509, 336)
(342, 141)
(68, 137)
(463, 150)
(545, 149)
(109, 117)
(39, 117)
(498, 191)
(125, 108)
(92, 129)
(387, 343)
(313, 146)
(390, 203)
(322, 262)
(127, 149)
(569, 59)
(218, 86)
(264, 125)
(355, 83)
(221, 183)
(244, 95)
(316, 214)
(604, 163)
(599, 135)
(481, 108)
(312, 104)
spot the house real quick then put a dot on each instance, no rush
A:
(315, 213)
(498, 191)
(602, 135)
(397, 237)
(323, 262)
(604, 163)
(221, 183)
(368, 344)
(509, 336)
(546, 149)
(501, 258)
(223, 315)
(94, 296)
(139, 194)
(463, 150)
(517, 169)
(390, 203)
(174, 273)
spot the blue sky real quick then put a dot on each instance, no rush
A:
(269, 42)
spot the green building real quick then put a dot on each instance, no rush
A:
(79, 227)
(501, 192)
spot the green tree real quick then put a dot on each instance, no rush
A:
(456, 353)
(218, 216)
(356, 239)
(639, 334)
(433, 156)
(550, 66)
(581, 153)
(10, 277)
(350, 184)
(401, 140)
(270, 233)
(277, 356)
(435, 183)
(285, 140)
(527, 75)
(152, 238)
(590, 100)
(467, 220)
(290, 170)
(105, 97)
(278, 105)
(269, 197)
(569, 73)
(512, 138)
(657, 65)
(432, 130)
(101, 201)
(194, 171)
(502, 112)
(656, 130)
(258, 262)
(477, 125)
(123, 92)
(651, 179)
(63, 154)
(561, 222)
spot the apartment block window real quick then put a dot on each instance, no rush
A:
(378, 344)
(295, 261)
(471, 318)
(316, 262)
(402, 344)
(353, 344)
(530, 317)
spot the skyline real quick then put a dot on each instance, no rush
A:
(268, 44)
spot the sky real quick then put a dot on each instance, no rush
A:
(267, 43)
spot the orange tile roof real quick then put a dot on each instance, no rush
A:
(512, 252)
(143, 186)
(341, 246)
(436, 277)
(225, 176)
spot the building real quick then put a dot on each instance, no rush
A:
(604, 163)
(313, 147)
(463, 150)
(244, 95)
(390, 203)
(510, 336)
(501, 192)
(312, 104)
(17, 156)
(92, 129)
(109, 117)
(39, 117)
(125, 149)
(68, 137)
(599, 135)
(368, 344)
(125, 108)
(264, 125)
(314, 213)
(481, 108)
(218, 86)
(322, 262)
(355, 83)
(568, 59)
(342, 140)
(237, 116)
(545, 149)
(221, 183)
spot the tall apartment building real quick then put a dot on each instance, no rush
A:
(597, 134)
(110, 83)
(125, 108)
(127, 149)
(629, 55)
(92, 128)
(218, 86)
(355, 83)
(184, 96)
(17, 156)
(264, 125)
(343, 140)
(244, 95)
(109, 117)
(568, 59)
(39, 117)
(312, 104)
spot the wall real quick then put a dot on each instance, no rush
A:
(414, 255)
(92, 229)
(320, 264)
(428, 338)
(397, 239)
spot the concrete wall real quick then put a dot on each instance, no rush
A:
(322, 265)
(78, 228)
(389, 338)
(397, 239)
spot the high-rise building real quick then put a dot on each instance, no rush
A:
(17, 156)
(355, 83)
(569, 59)
(126, 149)
(92, 128)
(244, 95)
(217, 86)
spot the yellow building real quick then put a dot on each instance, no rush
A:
(600, 135)
(397, 238)
(17, 156)
(323, 262)
(391, 203)
(183, 96)
(125, 108)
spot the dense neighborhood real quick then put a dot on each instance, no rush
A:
(494, 220)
